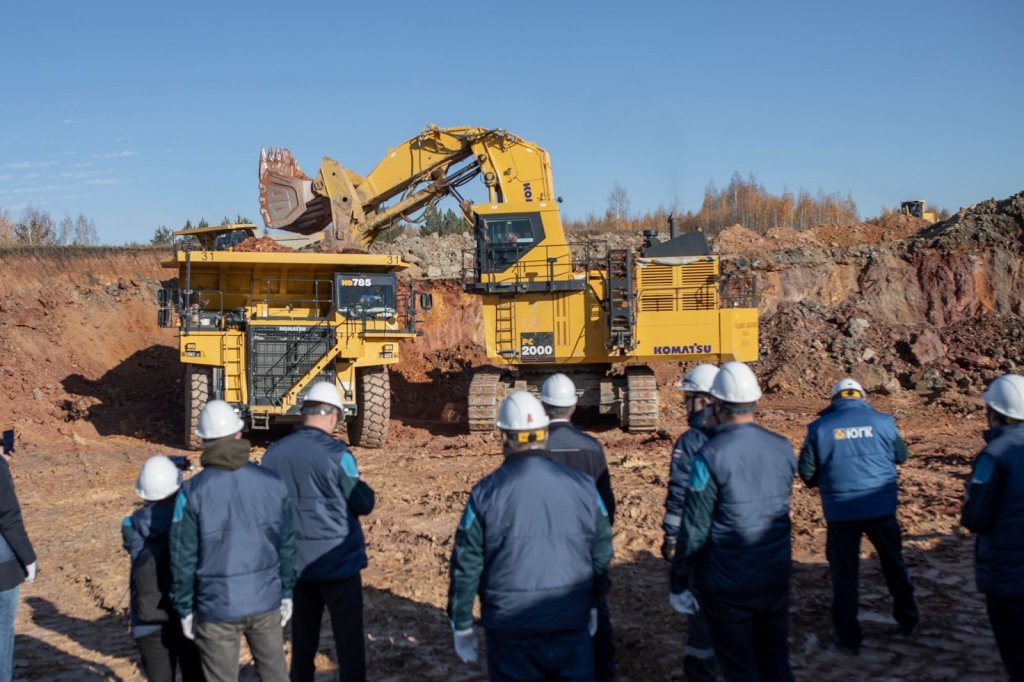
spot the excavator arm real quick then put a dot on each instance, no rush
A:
(420, 171)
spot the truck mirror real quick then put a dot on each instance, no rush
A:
(426, 302)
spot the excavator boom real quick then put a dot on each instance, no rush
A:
(418, 172)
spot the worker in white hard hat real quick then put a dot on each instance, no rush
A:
(17, 557)
(535, 543)
(734, 537)
(994, 510)
(573, 448)
(699, 655)
(233, 553)
(328, 497)
(146, 535)
(850, 454)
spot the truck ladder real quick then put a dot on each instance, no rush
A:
(233, 368)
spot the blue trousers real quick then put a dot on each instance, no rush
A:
(699, 660)
(552, 657)
(750, 634)
(604, 645)
(8, 610)
(843, 552)
(1006, 614)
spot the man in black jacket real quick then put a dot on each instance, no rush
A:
(573, 448)
(328, 497)
(17, 562)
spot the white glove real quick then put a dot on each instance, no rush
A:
(684, 602)
(592, 625)
(31, 570)
(466, 644)
(286, 611)
(186, 627)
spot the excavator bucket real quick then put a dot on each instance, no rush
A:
(287, 201)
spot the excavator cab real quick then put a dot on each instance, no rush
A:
(504, 240)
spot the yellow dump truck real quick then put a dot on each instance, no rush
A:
(257, 329)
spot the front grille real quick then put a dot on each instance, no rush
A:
(281, 355)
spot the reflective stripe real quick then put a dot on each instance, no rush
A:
(468, 516)
(705, 654)
(600, 504)
(673, 520)
(348, 465)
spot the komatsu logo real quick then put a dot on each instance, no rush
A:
(854, 432)
(695, 349)
(527, 192)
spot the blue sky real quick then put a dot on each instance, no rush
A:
(147, 114)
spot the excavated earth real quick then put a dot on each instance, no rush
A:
(924, 319)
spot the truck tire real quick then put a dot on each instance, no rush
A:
(369, 428)
(197, 392)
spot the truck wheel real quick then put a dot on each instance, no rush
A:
(197, 392)
(369, 428)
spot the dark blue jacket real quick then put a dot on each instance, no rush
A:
(232, 543)
(850, 453)
(535, 543)
(146, 536)
(16, 551)
(327, 498)
(573, 448)
(994, 509)
(683, 452)
(736, 529)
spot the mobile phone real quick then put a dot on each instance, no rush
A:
(9, 442)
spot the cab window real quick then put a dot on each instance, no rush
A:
(504, 240)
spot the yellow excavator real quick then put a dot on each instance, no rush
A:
(599, 314)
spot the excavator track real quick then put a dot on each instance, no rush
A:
(486, 391)
(640, 411)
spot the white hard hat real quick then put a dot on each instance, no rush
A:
(1006, 396)
(218, 420)
(325, 392)
(522, 412)
(844, 385)
(558, 391)
(699, 379)
(158, 478)
(736, 383)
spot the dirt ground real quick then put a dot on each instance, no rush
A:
(73, 621)
(93, 388)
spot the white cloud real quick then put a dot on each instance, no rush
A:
(68, 153)
(104, 181)
(21, 165)
(114, 155)
(74, 196)
(31, 176)
(29, 190)
(85, 164)
(5, 177)
(85, 174)
(69, 120)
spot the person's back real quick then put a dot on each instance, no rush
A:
(539, 520)
(239, 522)
(329, 538)
(855, 447)
(580, 451)
(534, 543)
(233, 553)
(994, 510)
(328, 497)
(748, 547)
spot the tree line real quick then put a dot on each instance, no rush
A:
(38, 228)
(743, 201)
